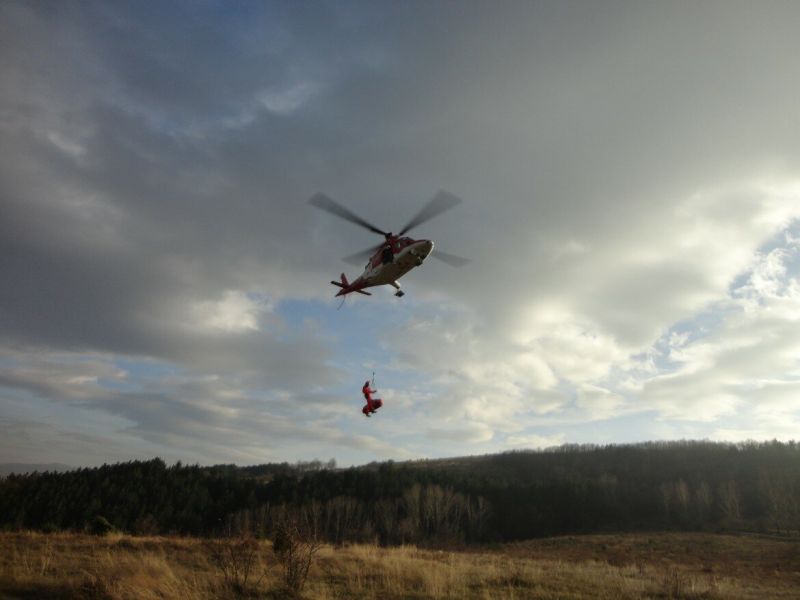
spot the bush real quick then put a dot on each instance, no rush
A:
(100, 526)
(295, 547)
(49, 527)
(146, 525)
(236, 558)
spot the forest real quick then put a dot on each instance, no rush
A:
(686, 486)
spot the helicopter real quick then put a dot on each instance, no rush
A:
(397, 254)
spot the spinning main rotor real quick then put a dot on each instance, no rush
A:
(440, 203)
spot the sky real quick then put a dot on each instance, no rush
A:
(630, 184)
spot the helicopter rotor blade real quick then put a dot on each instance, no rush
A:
(329, 205)
(358, 259)
(450, 259)
(438, 204)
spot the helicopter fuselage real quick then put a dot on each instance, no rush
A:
(382, 269)
(406, 254)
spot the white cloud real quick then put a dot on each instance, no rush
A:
(748, 360)
(283, 101)
(579, 351)
(700, 348)
(289, 99)
(69, 377)
(533, 440)
(473, 434)
(599, 403)
(235, 312)
(70, 147)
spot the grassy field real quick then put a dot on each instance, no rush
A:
(658, 565)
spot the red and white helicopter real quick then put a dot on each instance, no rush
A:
(397, 254)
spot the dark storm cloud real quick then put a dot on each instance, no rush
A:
(102, 232)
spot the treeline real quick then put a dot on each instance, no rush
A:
(144, 497)
(428, 514)
(502, 497)
(658, 485)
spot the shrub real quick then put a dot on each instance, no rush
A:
(49, 527)
(100, 526)
(236, 558)
(295, 547)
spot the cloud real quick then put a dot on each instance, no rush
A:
(630, 206)
(749, 360)
(568, 362)
(598, 403)
(37, 442)
(468, 435)
(200, 414)
(73, 378)
(235, 312)
(535, 441)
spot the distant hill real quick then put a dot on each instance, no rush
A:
(19, 468)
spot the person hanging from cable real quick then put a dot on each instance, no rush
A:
(372, 405)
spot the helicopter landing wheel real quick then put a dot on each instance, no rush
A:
(399, 293)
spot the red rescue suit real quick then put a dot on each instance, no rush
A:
(372, 405)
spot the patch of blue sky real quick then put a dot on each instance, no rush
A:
(355, 331)
(787, 236)
(791, 242)
(787, 239)
(359, 335)
(739, 282)
(689, 331)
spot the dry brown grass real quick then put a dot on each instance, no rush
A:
(694, 566)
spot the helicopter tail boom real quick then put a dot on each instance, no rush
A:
(346, 287)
